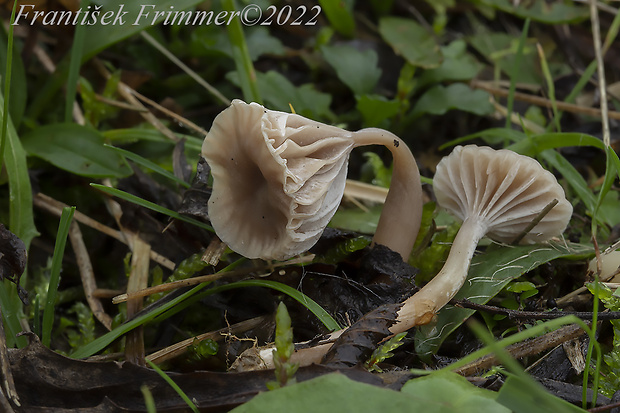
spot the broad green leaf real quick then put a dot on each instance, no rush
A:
(376, 109)
(76, 149)
(411, 41)
(355, 68)
(464, 396)
(440, 99)
(554, 12)
(340, 15)
(488, 275)
(525, 396)
(457, 65)
(278, 92)
(336, 393)
(358, 220)
(501, 48)
(129, 18)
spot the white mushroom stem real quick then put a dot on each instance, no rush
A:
(402, 212)
(420, 308)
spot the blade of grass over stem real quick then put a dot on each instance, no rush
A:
(175, 386)
(150, 165)
(52, 291)
(150, 205)
(188, 298)
(241, 55)
(75, 62)
(516, 68)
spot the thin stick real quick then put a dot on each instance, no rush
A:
(596, 38)
(179, 348)
(523, 349)
(540, 101)
(186, 122)
(534, 222)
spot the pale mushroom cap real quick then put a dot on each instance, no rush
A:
(505, 190)
(278, 179)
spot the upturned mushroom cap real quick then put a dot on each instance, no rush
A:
(505, 191)
(278, 179)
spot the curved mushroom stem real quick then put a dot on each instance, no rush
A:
(401, 216)
(422, 306)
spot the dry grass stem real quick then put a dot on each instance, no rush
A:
(138, 280)
(87, 275)
(185, 68)
(543, 102)
(55, 207)
(596, 38)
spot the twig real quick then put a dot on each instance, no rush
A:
(534, 315)
(540, 101)
(525, 348)
(534, 222)
(186, 122)
(179, 348)
(596, 38)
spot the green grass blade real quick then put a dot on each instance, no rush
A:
(150, 205)
(7, 84)
(75, 62)
(102, 342)
(175, 386)
(516, 68)
(550, 86)
(150, 165)
(52, 292)
(300, 297)
(149, 401)
(241, 55)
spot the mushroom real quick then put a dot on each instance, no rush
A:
(278, 179)
(496, 193)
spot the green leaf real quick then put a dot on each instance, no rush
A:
(440, 99)
(340, 15)
(457, 65)
(18, 93)
(525, 396)
(333, 393)
(464, 396)
(376, 109)
(411, 41)
(129, 18)
(76, 149)
(555, 12)
(358, 220)
(278, 92)
(489, 273)
(355, 68)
